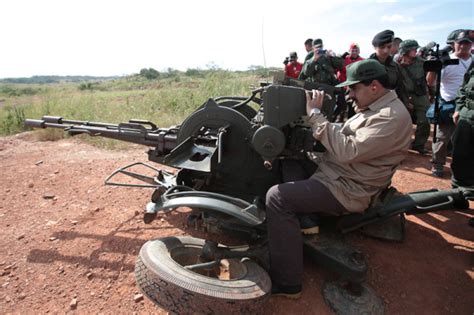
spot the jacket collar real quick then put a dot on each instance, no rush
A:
(383, 101)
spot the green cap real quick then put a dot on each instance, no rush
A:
(452, 36)
(407, 45)
(363, 70)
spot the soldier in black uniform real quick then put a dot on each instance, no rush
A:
(382, 43)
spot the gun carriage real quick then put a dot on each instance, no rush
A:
(227, 155)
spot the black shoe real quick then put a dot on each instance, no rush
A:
(437, 172)
(288, 291)
(309, 224)
(420, 149)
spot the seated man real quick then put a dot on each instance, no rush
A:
(360, 159)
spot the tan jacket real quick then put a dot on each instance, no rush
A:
(362, 155)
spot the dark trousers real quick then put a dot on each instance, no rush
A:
(283, 203)
(462, 165)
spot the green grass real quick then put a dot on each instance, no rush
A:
(165, 101)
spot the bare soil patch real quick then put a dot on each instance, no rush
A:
(68, 243)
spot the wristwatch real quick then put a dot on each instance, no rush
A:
(315, 111)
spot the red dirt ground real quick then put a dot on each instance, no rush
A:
(81, 244)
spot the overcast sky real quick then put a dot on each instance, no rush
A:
(102, 38)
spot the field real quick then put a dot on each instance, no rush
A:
(165, 101)
(69, 243)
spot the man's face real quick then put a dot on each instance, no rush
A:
(462, 49)
(361, 94)
(383, 51)
(411, 54)
(354, 52)
(394, 48)
(308, 47)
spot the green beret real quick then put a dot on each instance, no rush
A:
(363, 70)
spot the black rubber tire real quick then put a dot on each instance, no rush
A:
(181, 291)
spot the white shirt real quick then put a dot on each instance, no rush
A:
(452, 78)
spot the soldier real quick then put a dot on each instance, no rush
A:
(321, 68)
(411, 67)
(360, 159)
(308, 45)
(462, 165)
(395, 46)
(382, 43)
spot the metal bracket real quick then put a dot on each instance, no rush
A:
(163, 178)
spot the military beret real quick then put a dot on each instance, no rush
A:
(382, 38)
(318, 42)
(407, 45)
(363, 70)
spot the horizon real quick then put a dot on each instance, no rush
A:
(118, 38)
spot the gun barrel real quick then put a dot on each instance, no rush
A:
(164, 139)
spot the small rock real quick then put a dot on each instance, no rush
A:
(138, 297)
(8, 190)
(31, 185)
(73, 304)
(89, 275)
(19, 237)
(137, 212)
(76, 265)
(97, 209)
(52, 238)
(48, 196)
(8, 299)
(74, 222)
(22, 296)
(39, 162)
(56, 171)
(24, 194)
(5, 284)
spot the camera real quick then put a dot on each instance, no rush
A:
(321, 51)
(286, 61)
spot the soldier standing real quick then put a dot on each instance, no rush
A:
(308, 45)
(414, 78)
(382, 43)
(462, 165)
(321, 68)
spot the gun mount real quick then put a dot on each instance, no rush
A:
(227, 155)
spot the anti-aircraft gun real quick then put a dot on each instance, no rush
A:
(227, 155)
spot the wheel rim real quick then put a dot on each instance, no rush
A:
(225, 269)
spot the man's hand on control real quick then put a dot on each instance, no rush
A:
(314, 99)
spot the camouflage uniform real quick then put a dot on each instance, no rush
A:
(414, 79)
(462, 165)
(322, 70)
